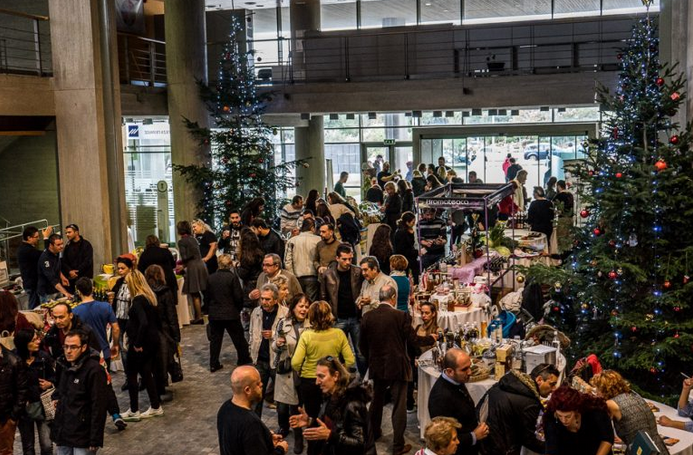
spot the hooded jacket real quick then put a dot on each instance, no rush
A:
(514, 405)
(80, 416)
(347, 415)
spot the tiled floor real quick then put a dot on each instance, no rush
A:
(189, 424)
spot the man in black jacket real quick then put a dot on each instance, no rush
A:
(78, 257)
(385, 332)
(270, 240)
(28, 257)
(450, 398)
(80, 414)
(51, 281)
(513, 406)
(13, 392)
(225, 304)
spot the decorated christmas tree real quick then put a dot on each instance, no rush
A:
(243, 161)
(624, 292)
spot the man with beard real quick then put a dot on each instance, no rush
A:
(231, 235)
(240, 429)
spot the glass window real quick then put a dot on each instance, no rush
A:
(286, 19)
(387, 13)
(399, 119)
(346, 157)
(577, 114)
(342, 135)
(264, 23)
(337, 15)
(478, 11)
(569, 8)
(627, 6)
(440, 12)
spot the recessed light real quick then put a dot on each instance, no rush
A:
(427, 4)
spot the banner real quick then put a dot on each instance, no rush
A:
(130, 16)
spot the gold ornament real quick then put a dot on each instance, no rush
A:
(619, 271)
(649, 317)
(557, 285)
(520, 279)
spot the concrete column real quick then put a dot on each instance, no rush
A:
(676, 37)
(310, 142)
(87, 107)
(186, 62)
(305, 17)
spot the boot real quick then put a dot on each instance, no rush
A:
(298, 440)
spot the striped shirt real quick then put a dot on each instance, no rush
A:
(431, 230)
(289, 217)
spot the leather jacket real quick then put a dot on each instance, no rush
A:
(13, 385)
(329, 285)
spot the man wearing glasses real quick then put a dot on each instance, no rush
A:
(513, 406)
(81, 392)
(271, 269)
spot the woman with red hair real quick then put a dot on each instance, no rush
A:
(577, 424)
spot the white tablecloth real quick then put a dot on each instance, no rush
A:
(182, 305)
(454, 320)
(685, 444)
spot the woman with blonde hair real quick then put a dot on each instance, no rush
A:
(441, 436)
(629, 412)
(143, 346)
(320, 340)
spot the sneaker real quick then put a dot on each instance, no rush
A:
(129, 416)
(120, 424)
(151, 412)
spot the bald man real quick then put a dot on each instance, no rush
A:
(449, 398)
(241, 432)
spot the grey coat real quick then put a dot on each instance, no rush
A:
(285, 385)
(195, 270)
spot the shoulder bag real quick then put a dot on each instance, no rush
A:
(284, 366)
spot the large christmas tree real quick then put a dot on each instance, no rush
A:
(624, 292)
(243, 163)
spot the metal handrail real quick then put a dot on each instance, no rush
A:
(25, 51)
(24, 15)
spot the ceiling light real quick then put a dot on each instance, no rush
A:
(427, 4)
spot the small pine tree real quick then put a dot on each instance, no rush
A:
(625, 289)
(243, 165)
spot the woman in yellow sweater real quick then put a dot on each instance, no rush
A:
(320, 340)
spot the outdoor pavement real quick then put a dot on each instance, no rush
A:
(188, 426)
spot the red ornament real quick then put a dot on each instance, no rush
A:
(677, 309)
(614, 133)
(675, 96)
(661, 165)
(619, 175)
(613, 275)
(619, 56)
(614, 313)
(612, 243)
(260, 160)
(676, 335)
(686, 279)
(584, 213)
(226, 109)
(556, 308)
(634, 329)
(660, 81)
(590, 173)
(597, 231)
(674, 139)
(667, 284)
(653, 370)
(252, 175)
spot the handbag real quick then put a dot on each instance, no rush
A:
(284, 366)
(34, 410)
(47, 403)
(7, 339)
(175, 369)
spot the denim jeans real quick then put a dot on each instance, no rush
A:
(64, 450)
(26, 430)
(266, 373)
(34, 299)
(352, 329)
(48, 297)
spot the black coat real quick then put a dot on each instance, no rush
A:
(348, 414)
(225, 295)
(143, 326)
(163, 258)
(272, 243)
(43, 367)
(80, 416)
(78, 256)
(513, 409)
(51, 342)
(450, 400)
(385, 332)
(166, 312)
(393, 210)
(13, 385)
(28, 257)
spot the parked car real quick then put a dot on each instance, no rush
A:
(541, 151)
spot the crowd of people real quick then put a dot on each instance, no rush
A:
(309, 320)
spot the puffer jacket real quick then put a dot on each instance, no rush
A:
(351, 433)
(13, 385)
(80, 416)
(513, 410)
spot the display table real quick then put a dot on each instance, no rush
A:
(428, 374)
(685, 444)
(467, 272)
(455, 320)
